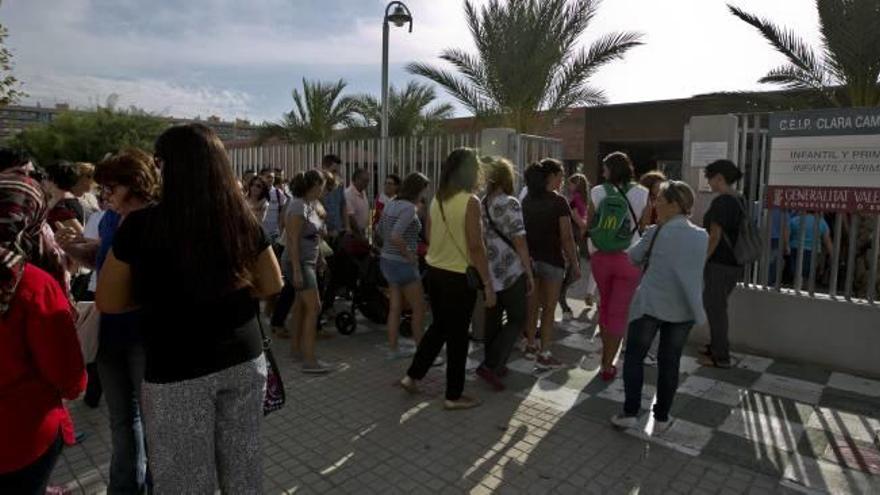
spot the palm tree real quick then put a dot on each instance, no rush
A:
(318, 112)
(527, 61)
(409, 111)
(843, 72)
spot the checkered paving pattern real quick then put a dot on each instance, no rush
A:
(762, 427)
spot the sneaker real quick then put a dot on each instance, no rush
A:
(547, 361)
(650, 360)
(624, 422)
(409, 385)
(661, 426)
(402, 353)
(490, 378)
(318, 368)
(531, 352)
(463, 402)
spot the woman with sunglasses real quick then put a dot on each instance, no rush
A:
(257, 195)
(668, 301)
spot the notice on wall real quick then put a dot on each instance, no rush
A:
(705, 152)
(825, 160)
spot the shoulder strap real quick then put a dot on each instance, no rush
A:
(448, 231)
(495, 227)
(651, 248)
(632, 211)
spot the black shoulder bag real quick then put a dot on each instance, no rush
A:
(275, 396)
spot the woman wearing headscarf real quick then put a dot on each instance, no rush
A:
(40, 359)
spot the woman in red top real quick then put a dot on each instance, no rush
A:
(40, 358)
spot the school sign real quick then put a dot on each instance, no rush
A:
(825, 160)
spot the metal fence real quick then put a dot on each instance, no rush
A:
(847, 273)
(405, 154)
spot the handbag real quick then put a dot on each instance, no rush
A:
(275, 396)
(474, 281)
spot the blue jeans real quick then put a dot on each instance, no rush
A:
(121, 368)
(673, 337)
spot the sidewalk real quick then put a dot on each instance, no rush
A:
(762, 427)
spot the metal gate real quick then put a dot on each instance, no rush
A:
(848, 273)
(405, 155)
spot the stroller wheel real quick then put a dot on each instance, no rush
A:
(346, 323)
(406, 327)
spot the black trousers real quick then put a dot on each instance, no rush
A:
(32, 479)
(501, 335)
(452, 304)
(718, 283)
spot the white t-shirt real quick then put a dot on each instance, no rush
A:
(638, 199)
(90, 231)
(271, 224)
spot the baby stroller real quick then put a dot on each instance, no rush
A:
(363, 280)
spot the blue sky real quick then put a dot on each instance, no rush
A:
(237, 58)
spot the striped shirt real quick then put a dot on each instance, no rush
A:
(399, 217)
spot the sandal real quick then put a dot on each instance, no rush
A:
(710, 362)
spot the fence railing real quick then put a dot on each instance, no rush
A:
(423, 154)
(806, 252)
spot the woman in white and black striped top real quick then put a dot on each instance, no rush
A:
(399, 230)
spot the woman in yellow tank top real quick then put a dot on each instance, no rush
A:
(455, 237)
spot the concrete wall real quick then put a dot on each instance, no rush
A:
(841, 336)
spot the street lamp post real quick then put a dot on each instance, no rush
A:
(399, 16)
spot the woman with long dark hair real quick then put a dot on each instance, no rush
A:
(303, 226)
(205, 370)
(257, 194)
(619, 204)
(551, 244)
(39, 351)
(455, 252)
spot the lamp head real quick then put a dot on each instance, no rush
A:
(399, 16)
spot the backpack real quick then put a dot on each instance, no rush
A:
(749, 242)
(614, 222)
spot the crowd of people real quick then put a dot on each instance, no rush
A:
(182, 258)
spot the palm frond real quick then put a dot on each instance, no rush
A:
(459, 89)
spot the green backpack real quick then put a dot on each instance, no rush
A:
(612, 228)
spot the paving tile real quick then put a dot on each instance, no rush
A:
(844, 424)
(736, 450)
(581, 342)
(684, 436)
(598, 409)
(768, 430)
(780, 407)
(553, 395)
(616, 393)
(798, 371)
(701, 411)
(740, 377)
(852, 402)
(791, 388)
(859, 385)
(853, 454)
(751, 362)
(714, 390)
(825, 477)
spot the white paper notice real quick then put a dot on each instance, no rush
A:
(705, 152)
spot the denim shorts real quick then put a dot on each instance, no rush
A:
(309, 275)
(548, 272)
(399, 273)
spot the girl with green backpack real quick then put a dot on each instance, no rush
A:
(618, 205)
